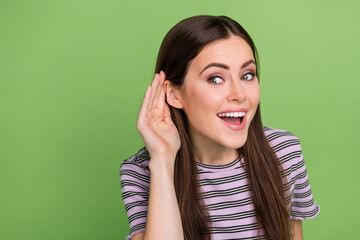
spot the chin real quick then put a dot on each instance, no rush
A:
(237, 144)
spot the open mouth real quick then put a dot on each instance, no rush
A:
(235, 118)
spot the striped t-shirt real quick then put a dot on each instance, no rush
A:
(225, 189)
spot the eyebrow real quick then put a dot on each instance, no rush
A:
(224, 66)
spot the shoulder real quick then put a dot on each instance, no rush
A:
(135, 189)
(287, 148)
(275, 135)
(284, 143)
(135, 177)
(135, 170)
(139, 161)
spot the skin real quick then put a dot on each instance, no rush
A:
(162, 140)
(297, 230)
(201, 97)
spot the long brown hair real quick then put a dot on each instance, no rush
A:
(181, 44)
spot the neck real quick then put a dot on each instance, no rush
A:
(214, 154)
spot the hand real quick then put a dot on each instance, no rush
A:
(155, 125)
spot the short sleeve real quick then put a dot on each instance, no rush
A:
(299, 197)
(302, 202)
(135, 183)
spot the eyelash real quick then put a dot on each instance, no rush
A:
(216, 76)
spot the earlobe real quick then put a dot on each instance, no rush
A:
(172, 95)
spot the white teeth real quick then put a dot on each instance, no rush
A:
(232, 114)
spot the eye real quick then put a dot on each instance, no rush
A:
(248, 76)
(215, 79)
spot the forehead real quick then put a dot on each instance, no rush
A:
(234, 49)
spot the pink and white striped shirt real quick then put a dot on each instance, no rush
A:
(225, 189)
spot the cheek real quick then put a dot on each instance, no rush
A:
(254, 95)
(201, 103)
(257, 97)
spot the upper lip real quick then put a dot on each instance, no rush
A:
(234, 110)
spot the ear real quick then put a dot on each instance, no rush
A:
(173, 96)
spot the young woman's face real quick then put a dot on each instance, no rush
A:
(221, 79)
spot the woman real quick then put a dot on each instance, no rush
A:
(209, 168)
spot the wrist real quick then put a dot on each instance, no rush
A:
(162, 164)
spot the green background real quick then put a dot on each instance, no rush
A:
(73, 74)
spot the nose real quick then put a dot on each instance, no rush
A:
(236, 91)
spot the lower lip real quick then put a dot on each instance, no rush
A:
(234, 126)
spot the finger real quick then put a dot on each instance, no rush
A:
(167, 114)
(155, 100)
(154, 86)
(158, 90)
(160, 94)
(145, 104)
